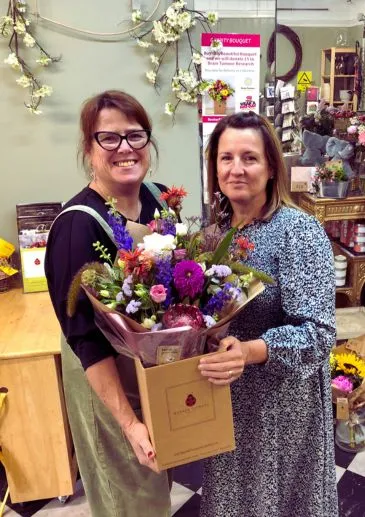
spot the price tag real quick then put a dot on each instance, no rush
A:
(342, 412)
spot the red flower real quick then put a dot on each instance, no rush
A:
(244, 244)
(173, 197)
(134, 264)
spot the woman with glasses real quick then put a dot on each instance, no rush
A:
(115, 457)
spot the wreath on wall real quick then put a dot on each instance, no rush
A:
(293, 38)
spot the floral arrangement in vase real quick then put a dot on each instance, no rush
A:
(330, 179)
(348, 384)
(219, 91)
(357, 129)
(177, 283)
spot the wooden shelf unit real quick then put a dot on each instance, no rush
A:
(34, 433)
(337, 82)
(328, 209)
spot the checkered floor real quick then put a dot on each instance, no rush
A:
(186, 492)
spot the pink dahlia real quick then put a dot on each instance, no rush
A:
(188, 278)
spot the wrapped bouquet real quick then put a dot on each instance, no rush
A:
(348, 392)
(172, 288)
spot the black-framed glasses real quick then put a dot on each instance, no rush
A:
(111, 141)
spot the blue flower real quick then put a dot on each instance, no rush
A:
(122, 237)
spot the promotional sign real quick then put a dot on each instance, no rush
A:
(231, 64)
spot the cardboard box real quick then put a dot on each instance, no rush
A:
(34, 221)
(188, 417)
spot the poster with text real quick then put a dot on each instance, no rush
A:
(231, 64)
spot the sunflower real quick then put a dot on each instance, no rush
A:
(350, 364)
(333, 362)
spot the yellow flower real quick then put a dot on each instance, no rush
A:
(350, 364)
(224, 93)
(333, 362)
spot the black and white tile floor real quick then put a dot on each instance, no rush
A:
(186, 491)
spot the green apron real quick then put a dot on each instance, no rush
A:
(115, 483)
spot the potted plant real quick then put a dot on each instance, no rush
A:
(219, 91)
(330, 180)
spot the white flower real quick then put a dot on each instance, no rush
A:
(44, 60)
(43, 91)
(6, 25)
(21, 6)
(28, 40)
(156, 214)
(212, 17)
(184, 21)
(24, 81)
(179, 4)
(151, 76)
(209, 321)
(143, 44)
(181, 229)
(136, 16)
(169, 108)
(197, 58)
(154, 59)
(157, 243)
(19, 27)
(33, 109)
(12, 60)
(219, 271)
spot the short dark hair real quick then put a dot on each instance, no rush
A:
(116, 99)
(277, 191)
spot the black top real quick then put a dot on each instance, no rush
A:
(69, 247)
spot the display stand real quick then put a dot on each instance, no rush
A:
(328, 209)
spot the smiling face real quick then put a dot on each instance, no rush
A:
(242, 168)
(123, 166)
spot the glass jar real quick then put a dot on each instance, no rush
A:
(350, 434)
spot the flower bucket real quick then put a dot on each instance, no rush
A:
(335, 189)
(220, 107)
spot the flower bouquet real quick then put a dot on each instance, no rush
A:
(170, 288)
(219, 91)
(348, 392)
(330, 179)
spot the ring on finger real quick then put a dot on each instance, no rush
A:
(230, 374)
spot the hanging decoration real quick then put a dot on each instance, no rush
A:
(163, 35)
(16, 27)
(293, 38)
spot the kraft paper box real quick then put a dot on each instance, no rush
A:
(188, 417)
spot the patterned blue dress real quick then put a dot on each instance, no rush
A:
(283, 465)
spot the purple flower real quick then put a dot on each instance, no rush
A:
(163, 276)
(122, 237)
(343, 383)
(132, 307)
(168, 226)
(188, 278)
(217, 302)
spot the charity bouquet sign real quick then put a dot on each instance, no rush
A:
(231, 63)
(231, 68)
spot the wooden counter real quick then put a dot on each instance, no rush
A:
(34, 432)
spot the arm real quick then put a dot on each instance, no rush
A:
(103, 378)
(69, 248)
